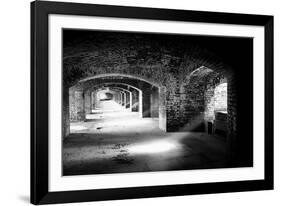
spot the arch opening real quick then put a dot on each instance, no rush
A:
(129, 97)
(205, 102)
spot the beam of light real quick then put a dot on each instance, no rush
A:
(153, 147)
(186, 130)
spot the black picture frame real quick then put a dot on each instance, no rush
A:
(40, 108)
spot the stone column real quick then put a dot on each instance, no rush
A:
(154, 99)
(146, 93)
(131, 101)
(93, 100)
(65, 114)
(173, 112)
(135, 100)
(79, 109)
(87, 104)
(140, 107)
(162, 109)
(127, 100)
(122, 98)
(118, 97)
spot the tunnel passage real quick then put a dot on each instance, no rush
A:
(181, 102)
(135, 95)
(132, 94)
(198, 100)
(196, 88)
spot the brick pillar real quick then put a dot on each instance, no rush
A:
(93, 100)
(127, 102)
(115, 97)
(162, 109)
(140, 103)
(72, 110)
(191, 106)
(123, 102)
(135, 100)
(154, 99)
(146, 93)
(77, 106)
(173, 112)
(119, 97)
(65, 113)
(131, 101)
(87, 104)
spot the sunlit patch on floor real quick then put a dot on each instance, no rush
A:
(121, 141)
(154, 147)
(77, 127)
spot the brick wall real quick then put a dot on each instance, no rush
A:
(76, 104)
(135, 100)
(87, 103)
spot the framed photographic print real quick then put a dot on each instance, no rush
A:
(131, 102)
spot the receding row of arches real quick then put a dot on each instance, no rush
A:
(203, 102)
(131, 93)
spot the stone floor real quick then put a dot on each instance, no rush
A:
(115, 141)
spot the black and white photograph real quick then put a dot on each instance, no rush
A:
(150, 102)
(138, 102)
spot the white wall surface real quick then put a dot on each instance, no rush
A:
(14, 104)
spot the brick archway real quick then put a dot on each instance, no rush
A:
(152, 97)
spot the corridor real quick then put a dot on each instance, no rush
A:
(115, 140)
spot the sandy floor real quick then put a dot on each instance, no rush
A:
(120, 141)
